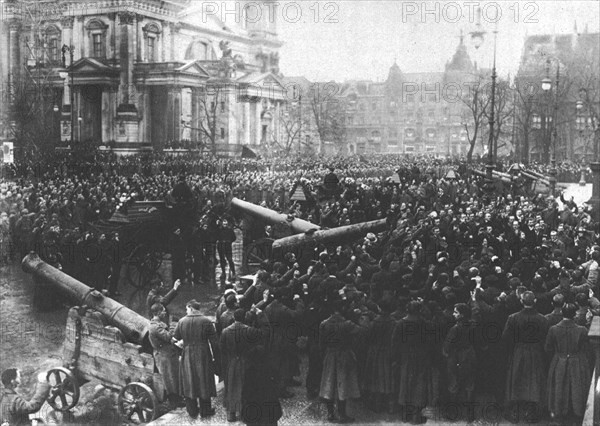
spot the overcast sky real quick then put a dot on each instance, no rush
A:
(359, 39)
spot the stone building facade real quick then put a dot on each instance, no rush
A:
(576, 56)
(410, 113)
(147, 73)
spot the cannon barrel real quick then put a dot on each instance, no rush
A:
(132, 325)
(495, 174)
(536, 177)
(298, 226)
(343, 233)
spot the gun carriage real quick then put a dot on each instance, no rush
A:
(105, 342)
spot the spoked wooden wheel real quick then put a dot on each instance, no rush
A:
(256, 253)
(137, 403)
(142, 266)
(64, 393)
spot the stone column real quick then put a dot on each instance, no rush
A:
(258, 122)
(82, 43)
(177, 114)
(117, 37)
(127, 113)
(194, 122)
(246, 123)
(14, 61)
(138, 45)
(163, 42)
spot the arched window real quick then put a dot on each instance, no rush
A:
(151, 37)
(97, 36)
(52, 41)
(199, 50)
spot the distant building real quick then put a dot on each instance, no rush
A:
(145, 72)
(578, 57)
(410, 113)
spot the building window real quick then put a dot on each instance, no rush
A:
(374, 106)
(222, 132)
(97, 36)
(53, 50)
(222, 106)
(151, 48)
(151, 34)
(98, 46)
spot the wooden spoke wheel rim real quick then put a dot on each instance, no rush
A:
(64, 391)
(137, 403)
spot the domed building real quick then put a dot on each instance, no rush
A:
(146, 74)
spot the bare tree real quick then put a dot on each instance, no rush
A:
(209, 104)
(295, 121)
(503, 111)
(476, 101)
(329, 116)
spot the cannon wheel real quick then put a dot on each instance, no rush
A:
(138, 400)
(142, 265)
(256, 252)
(64, 393)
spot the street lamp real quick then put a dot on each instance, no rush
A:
(547, 87)
(71, 50)
(477, 37)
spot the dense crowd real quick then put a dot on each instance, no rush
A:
(467, 293)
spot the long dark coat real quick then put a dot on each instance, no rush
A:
(339, 379)
(285, 327)
(166, 355)
(378, 370)
(236, 341)
(459, 347)
(411, 347)
(259, 393)
(525, 334)
(197, 368)
(569, 373)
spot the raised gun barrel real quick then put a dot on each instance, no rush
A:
(298, 226)
(132, 325)
(321, 236)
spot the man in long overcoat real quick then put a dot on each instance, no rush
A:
(525, 335)
(166, 354)
(411, 347)
(236, 342)
(569, 373)
(339, 380)
(199, 362)
(284, 323)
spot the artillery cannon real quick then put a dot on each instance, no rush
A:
(324, 236)
(304, 234)
(104, 341)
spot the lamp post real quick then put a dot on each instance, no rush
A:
(477, 36)
(546, 87)
(70, 50)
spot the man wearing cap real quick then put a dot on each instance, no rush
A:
(160, 293)
(524, 336)
(200, 360)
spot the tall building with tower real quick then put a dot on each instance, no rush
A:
(411, 113)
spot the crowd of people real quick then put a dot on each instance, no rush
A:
(467, 293)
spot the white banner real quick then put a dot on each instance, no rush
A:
(7, 153)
